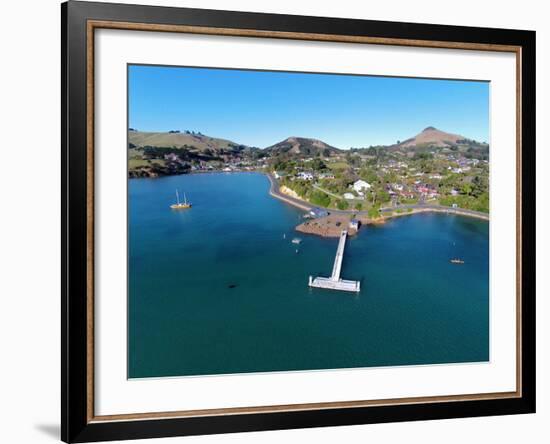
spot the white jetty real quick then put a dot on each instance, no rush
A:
(334, 282)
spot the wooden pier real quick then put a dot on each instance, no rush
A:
(334, 282)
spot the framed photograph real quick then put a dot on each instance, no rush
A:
(275, 221)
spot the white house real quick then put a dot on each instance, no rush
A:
(305, 176)
(361, 185)
(349, 196)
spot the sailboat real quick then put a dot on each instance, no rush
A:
(456, 261)
(180, 205)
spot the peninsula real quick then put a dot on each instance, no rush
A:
(432, 171)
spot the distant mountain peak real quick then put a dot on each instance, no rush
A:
(303, 146)
(431, 136)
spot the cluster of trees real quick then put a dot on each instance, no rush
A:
(480, 203)
(301, 187)
(319, 198)
(317, 164)
(473, 192)
(305, 190)
(281, 163)
(156, 168)
(184, 153)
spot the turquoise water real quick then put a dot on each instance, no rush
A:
(216, 289)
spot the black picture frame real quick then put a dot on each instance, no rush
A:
(76, 424)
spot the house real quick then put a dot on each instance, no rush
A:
(407, 194)
(361, 185)
(349, 196)
(305, 176)
(318, 212)
(354, 224)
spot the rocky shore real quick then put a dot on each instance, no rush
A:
(328, 226)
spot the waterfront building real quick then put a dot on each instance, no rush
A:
(361, 185)
(354, 224)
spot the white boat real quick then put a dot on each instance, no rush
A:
(180, 205)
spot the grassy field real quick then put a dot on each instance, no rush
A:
(178, 140)
(335, 166)
(134, 163)
(134, 154)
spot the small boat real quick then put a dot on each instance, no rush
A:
(297, 241)
(180, 205)
(456, 261)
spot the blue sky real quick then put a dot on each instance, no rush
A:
(262, 108)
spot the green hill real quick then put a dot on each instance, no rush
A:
(430, 139)
(302, 146)
(173, 139)
(152, 154)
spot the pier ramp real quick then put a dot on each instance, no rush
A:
(334, 282)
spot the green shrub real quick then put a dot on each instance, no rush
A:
(320, 199)
(342, 205)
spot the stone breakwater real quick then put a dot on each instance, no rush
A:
(329, 226)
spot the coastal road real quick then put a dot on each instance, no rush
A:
(440, 208)
(276, 192)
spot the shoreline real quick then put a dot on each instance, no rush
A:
(274, 191)
(446, 210)
(304, 205)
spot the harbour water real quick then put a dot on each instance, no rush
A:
(218, 289)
